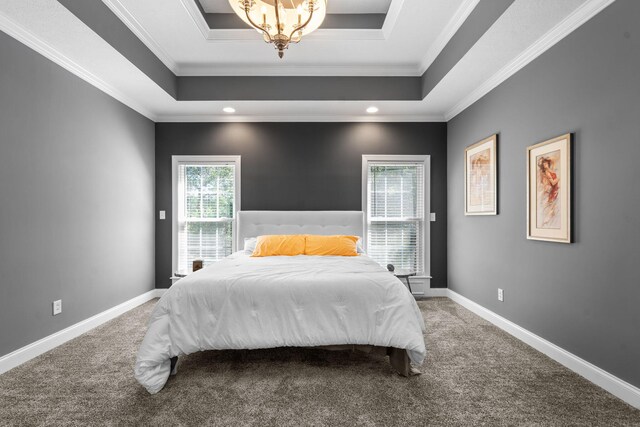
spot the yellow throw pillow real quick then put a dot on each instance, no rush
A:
(331, 245)
(279, 244)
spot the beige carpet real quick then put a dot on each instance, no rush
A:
(475, 374)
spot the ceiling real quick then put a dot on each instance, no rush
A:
(444, 54)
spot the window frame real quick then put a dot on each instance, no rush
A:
(391, 158)
(176, 161)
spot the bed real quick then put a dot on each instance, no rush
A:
(243, 302)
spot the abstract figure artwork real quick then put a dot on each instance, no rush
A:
(549, 190)
(480, 173)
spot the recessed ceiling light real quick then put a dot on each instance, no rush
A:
(372, 110)
(229, 110)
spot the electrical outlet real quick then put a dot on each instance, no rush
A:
(163, 215)
(57, 307)
(432, 217)
(500, 295)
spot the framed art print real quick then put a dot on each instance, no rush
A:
(549, 190)
(480, 178)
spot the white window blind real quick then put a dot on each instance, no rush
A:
(395, 214)
(206, 212)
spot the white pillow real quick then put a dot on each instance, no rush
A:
(360, 246)
(250, 244)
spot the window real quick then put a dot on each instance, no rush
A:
(206, 197)
(395, 200)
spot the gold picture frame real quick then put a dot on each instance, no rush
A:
(481, 177)
(549, 190)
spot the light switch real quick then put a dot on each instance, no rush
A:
(433, 217)
(163, 215)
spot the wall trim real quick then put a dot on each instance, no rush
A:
(614, 385)
(565, 27)
(31, 40)
(198, 19)
(434, 293)
(392, 16)
(376, 70)
(298, 118)
(452, 27)
(136, 28)
(28, 352)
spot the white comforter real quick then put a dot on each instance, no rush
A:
(248, 303)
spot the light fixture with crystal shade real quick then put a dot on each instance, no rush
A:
(281, 22)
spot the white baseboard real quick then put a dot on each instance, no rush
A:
(614, 385)
(596, 375)
(421, 287)
(436, 292)
(39, 347)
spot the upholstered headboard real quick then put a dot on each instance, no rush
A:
(256, 223)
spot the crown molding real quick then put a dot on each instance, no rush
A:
(247, 34)
(136, 27)
(375, 70)
(565, 27)
(34, 42)
(342, 34)
(392, 17)
(193, 11)
(213, 118)
(452, 27)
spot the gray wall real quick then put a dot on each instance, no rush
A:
(301, 166)
(585, 296)
(77, 198)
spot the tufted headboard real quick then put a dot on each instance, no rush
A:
(256, 223)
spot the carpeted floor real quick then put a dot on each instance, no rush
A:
(475, 374)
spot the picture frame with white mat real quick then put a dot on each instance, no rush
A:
(481, 177)
(549, 189)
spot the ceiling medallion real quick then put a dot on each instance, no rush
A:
(281, 22)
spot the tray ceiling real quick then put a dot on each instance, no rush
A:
(398, 48)
(456, 50)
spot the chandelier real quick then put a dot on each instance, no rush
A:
(281, 22)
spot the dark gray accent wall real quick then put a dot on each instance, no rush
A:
(301, 166)
(97, 16)
(585, 296)
(354, 21)
(77, 198)
(351, 21)
(259, 88)
(485, 14)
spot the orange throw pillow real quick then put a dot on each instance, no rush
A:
(279, 244)
(331, 245)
